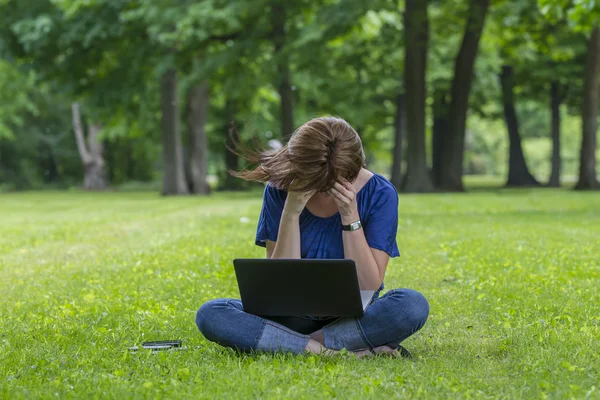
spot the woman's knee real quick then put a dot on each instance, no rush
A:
(413, 308)
(207, 316)
(224, 321)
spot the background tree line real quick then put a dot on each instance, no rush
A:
(111, 92)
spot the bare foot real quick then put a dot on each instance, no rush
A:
(381, 350)
(386, 350)
(363, 353)
(317, 348)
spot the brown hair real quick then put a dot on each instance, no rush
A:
(318, 153)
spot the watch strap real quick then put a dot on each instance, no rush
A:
(352, 227)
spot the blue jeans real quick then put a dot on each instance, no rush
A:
(388, 320)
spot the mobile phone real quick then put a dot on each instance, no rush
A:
(161, 344)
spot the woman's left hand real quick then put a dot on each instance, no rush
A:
(344, 195)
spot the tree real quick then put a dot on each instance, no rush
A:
(589, 115)
(399, 133)
(518, 173)
(174, 175)
(91, 153)
(448, 18)
(196, 116)
(416, 42)
(555, 100)
(583, 17)
(186, 30)
(440, 129)
(283, 83)
(451, 158)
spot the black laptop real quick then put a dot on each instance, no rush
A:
(300, 287)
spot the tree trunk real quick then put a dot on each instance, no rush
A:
(589, 115)
(416, 39)
(399, 129)
(440, 130)
(452, 157)
(284, 85)
(95, 175)
(518, 173)
(555, 100)
(174, 176)
(91, 153)
(196, 116)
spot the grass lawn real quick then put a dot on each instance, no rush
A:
(512, 278)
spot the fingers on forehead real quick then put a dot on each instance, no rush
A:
(343, 185)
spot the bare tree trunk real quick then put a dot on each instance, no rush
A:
(518, 173)
(92, 153)
(95, 175)
(399, 129)
(452, 156)
(440, 130)
(589, 115)
(174, 175)
(284, 85)
(555, 100)
(416, 38)
(196, 116)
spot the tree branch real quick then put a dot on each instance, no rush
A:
(86, 158)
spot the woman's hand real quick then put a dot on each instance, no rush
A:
(344, 195)
(296, 201)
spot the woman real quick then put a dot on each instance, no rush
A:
(320, 202)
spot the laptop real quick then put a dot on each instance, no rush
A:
(300, 287)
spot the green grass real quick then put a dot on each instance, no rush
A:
(512, 278)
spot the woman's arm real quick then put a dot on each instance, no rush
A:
(288, 238)
(370, 263)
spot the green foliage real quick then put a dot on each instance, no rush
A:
(581, 15)
(36, 144)
(15, 99)
(85, 276)
(542, 50)
(345, 56)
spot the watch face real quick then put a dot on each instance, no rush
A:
(355, 226)
(352, 227)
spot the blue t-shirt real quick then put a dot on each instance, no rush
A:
(321, 237)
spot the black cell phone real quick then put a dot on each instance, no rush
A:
(162, 344)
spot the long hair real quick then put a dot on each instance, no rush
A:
(318, 153)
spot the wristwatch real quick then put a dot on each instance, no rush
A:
(352, 227)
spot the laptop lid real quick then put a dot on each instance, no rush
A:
(299, 287)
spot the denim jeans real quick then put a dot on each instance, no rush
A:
(388, 320)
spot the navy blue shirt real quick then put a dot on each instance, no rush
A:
(321, 237)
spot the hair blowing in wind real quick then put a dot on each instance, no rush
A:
(318, 153)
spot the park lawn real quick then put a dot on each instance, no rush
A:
(512, 278)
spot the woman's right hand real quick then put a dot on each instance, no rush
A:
(296, 201)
